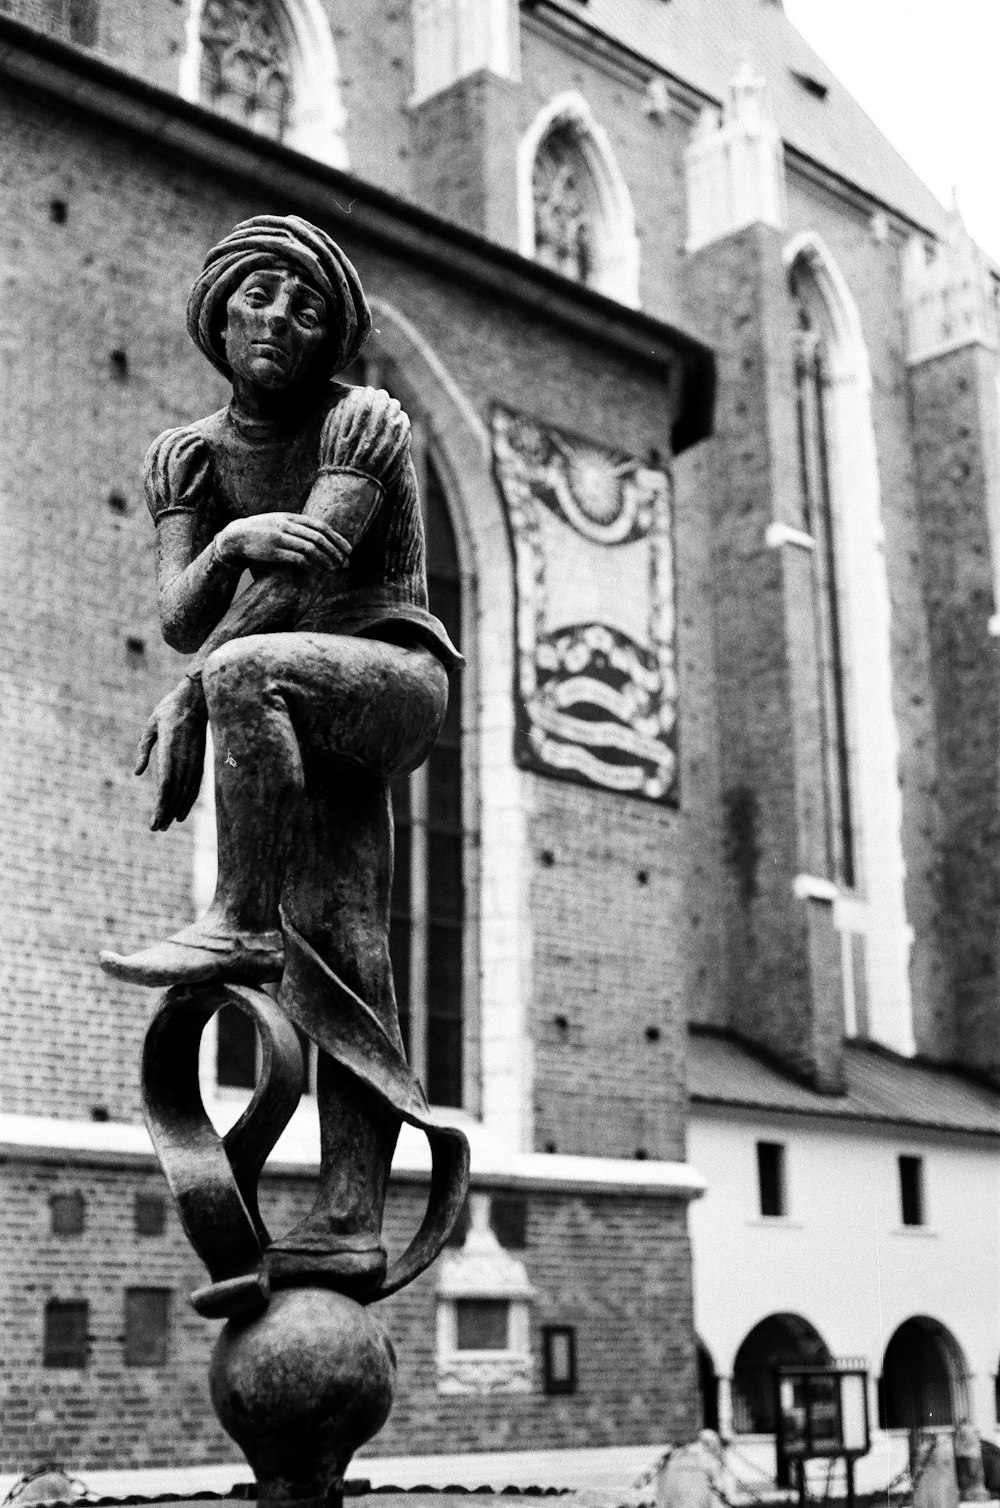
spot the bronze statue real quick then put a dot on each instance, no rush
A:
(322, 681)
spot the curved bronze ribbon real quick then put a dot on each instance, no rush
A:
(342, 1025)
(214, 1180)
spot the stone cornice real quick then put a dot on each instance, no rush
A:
(116, 1144)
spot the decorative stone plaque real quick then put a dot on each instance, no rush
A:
(596, 678)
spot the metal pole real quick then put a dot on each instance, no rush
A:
(850, 1481)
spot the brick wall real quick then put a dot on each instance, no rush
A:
(608, 892)
(783, 973)
(615, 1268)
(90, 380)
(464, 155)
(955, 424)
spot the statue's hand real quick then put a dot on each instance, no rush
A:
(281, 539)
(177, 724)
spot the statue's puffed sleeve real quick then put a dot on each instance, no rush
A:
(195, 586)
(178, 472)
(367, 431)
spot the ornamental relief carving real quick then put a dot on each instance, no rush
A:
(502, 1373)
(596, 680)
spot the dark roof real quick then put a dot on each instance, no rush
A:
(881, 1086)
(704, 42)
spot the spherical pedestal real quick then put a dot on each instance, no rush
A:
(301, 1388)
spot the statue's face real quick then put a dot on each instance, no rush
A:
(276, 326)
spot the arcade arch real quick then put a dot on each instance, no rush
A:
(777, 1340)
(924, 1377)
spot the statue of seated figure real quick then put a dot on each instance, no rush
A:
(323, 681)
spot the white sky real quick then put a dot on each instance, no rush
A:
(928, 74)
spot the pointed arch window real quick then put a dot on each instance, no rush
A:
(860, 840)
(574, 207)
(812, 389)
(272, 66)
(245, 64)
(428, 901)
(565, 205)
(427, 936)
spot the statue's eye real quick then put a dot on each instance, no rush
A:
(309, 316)
(256, 296)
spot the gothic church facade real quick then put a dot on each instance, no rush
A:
(725, 754)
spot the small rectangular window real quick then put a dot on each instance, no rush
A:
(147, 1320)
(150, 1215)
(811, 85)
(509, 1218)
(483, 1324)
(68, 1214)
(911, 1190)
(771, 1177)
(559, 1358)
(65, 1341)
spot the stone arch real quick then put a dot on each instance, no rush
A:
(462, 450)
(317, 119)
(616, 247)
(776, 1340)
(872, 907)
(925, 1379)
(498, 902)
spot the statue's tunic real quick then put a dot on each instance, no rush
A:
(227, 467)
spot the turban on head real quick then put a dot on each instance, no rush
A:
(269, 241)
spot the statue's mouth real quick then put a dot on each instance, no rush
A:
(270, 348)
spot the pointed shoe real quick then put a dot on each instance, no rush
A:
(196, 956)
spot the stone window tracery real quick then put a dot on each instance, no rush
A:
(564, 204)
(245, 66)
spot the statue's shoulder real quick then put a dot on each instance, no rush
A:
(178, 465)
(365, 428)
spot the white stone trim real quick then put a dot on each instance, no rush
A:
(813, 887)
(864, 587)
(381, 308)
(205, 858)
(50, 1139)
(776, 535)
(481, 1269)
(318, 120)
(948, 296)
(735, 166)
(993, 626)
(455, 38)
(616, 272)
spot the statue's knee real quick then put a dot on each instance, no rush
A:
(233, 673)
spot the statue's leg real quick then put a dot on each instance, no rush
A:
(359, 704)
(336, 894)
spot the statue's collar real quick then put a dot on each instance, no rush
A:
(265, 430)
